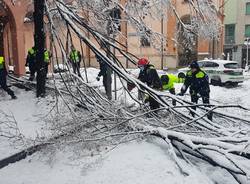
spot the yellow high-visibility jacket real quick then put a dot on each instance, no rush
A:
(172, 79)
(1, 62)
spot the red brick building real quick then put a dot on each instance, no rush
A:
(16, 37)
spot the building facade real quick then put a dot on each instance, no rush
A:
(237, 30)
(16, 35)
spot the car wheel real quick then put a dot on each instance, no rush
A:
(235, 84)
(181, 75)
(231, 84)
(216, 82)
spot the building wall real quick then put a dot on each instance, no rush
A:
(242, 20)
(231, 10)
(166, 58)
(235, 13)
(15, 34)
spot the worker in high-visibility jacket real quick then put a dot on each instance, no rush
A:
(43, 73)
(198, 83)
(168, 81)
(31, 62)
(3, 81)
(46, 60)
(75, 58)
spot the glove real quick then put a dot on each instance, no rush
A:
(146, 98)
(97, 78)
(130, 86)
(180, 94)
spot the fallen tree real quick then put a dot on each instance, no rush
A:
(222, 142)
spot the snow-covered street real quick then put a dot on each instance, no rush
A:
(146, 161)
(124, 92)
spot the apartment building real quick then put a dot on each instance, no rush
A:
(237, 30)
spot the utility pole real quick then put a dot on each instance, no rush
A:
(39, 39)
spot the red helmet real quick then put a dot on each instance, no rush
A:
(143, 61)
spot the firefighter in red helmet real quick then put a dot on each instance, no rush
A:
(149, 75)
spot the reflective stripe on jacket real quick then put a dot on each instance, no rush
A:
(198, 83)
(74, 56)
(1, 62)
(31, 52)
(46, 56)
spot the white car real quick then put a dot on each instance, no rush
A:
(219, 71)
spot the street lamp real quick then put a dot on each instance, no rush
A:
(247, 44)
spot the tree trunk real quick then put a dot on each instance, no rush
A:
(39, 44)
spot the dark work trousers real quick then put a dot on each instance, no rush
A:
(153, 103)
(172, 91)
(3, 83)
(106, 82)
(205, 100)
(76, 68)
(32, 69)
(42, 79)
(46, 69)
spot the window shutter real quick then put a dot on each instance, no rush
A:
(247, 8)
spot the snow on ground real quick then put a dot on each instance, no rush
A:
(237, 95)
(145, 162)
(28, 111)
(136, 162)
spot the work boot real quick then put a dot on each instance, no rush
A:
(13, 97)
(31, 78)
(42, 95)
(210, 116)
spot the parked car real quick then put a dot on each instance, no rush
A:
(219, 71)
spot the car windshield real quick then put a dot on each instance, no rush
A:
(231, 65)
(200, 64)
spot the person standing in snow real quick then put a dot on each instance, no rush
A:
(3, 82)
(198, 83)
(103, 72)
(168, 81)
(75, 59)
(44, 71)
(149, 75)
(30, 61)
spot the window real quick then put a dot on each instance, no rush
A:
(145, 42)
(210, 65)
(201, 64)
(248, 8)
(247, 30)
(231, 65)
(229, 33)
(115, 15)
